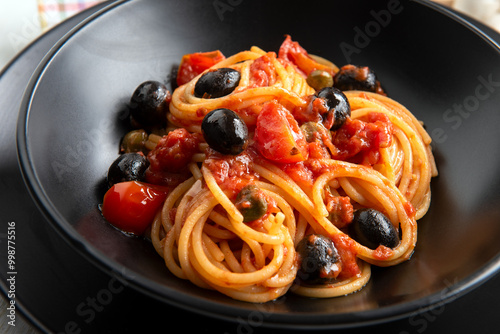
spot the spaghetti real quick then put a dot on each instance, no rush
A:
(313, 189)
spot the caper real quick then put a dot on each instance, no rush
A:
(312, 131)
(251, 203)
(318, 79)
(133, 141)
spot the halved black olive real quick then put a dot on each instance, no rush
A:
(251, 203)
(352, 77)
(217, 83)
(225, 131)
(127, 167)
(338, 107)
(149, 104)
(319, 260)
(372, 228)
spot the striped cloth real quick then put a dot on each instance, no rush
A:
(52, 12)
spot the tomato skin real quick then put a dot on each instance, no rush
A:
(131, 206)
(292, 51)
(278, 136)
(195, 63)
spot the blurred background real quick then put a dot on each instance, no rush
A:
(22, 21)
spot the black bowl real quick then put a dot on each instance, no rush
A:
(443, 69)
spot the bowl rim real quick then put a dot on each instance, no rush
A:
(195, 304)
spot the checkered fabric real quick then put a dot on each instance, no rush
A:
(54, 11)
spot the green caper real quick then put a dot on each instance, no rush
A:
(251, 203)
(133, 141)
(318, 79)
(313, 131)
(309, 129)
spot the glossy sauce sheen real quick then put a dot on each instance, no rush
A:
(275, 136)
(358, 140)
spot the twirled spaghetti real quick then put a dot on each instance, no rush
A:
(286, 85)
(379, 159)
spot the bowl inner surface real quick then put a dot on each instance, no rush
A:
(440, 69)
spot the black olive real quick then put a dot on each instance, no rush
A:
(352, 77)
(217, 83)
(372, 228)
(319, 260)
(338, 106)
(149, 104)
(128, 167)
(225, 132)
(251, 203)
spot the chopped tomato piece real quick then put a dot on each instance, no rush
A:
(346, 248)
(131, 206)
(170, 158)
(232, 172)
(278, 136)
(359, 141)
(297, 55)
(195, 63)
(262, 71)
(174, 151)
(340, 208)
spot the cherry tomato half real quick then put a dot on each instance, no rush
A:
(278, 136)
(131, 206)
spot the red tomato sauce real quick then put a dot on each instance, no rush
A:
(382, 253)
(359, 141)
(410, 209)
(277, 138)
(231, 173)
(347, 252)
(169, 160)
